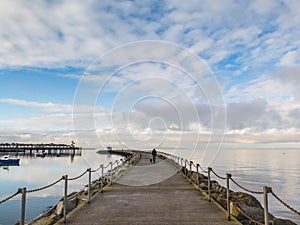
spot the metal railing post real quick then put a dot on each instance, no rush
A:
(65, 197)
(185, 169)
(266, 190)
(117, 167)
(209, 184)
(23, 205)
(89, 184)
(102, 177)
(111, 172)
(191, 163)
(198, 182)
(228, 176)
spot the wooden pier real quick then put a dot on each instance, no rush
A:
(39, 149)
(171, 200)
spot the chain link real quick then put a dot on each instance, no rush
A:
(284, 203)
(9, 197)
(42, 188)
(223, 178)
(245, 189)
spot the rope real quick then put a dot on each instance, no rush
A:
(193, 164)
(223, 178)
(9, 197)
(245, 189)
(248, 217)
(42, 188)
(284, 203)
(75, 178)
(95, 170)
(203, 170)
(106, 166)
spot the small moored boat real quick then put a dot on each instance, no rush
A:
(6, 160)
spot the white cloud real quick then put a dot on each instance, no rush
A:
(236, 38)
(289, 59)
(50, 107)
(83, 31)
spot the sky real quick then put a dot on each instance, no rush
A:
(150, 73)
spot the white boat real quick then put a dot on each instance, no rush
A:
(6, 160)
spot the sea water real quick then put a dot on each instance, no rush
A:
(36, 172)
(252, 168)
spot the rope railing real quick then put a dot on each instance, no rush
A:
(217, 175)
(119, 164)
(45, 187)
(81, 175)
(106, 166)
(246, 189)
(97, 169)
(187, 170)
(284, 203)
(248, 217)
(203, 170)
(193, 164)
(184, 164)
(10, 197)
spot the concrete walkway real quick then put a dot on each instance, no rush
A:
(138, 198)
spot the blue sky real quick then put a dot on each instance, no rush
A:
(49, 48)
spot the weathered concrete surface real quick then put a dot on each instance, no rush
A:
(172, 201)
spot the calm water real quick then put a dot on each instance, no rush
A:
(252, 168)
(37, 172)
(255, 168)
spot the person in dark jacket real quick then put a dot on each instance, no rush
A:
(154, 155)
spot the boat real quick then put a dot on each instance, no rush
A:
(40, 154)
(6, 160)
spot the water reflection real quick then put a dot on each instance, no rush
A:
(36, 171)
(252, 168)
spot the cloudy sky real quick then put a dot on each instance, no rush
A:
(106, 72)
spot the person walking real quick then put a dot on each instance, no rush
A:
(154, 153)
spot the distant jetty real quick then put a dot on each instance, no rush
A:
(44, 149)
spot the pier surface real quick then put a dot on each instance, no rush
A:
(158, 194)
